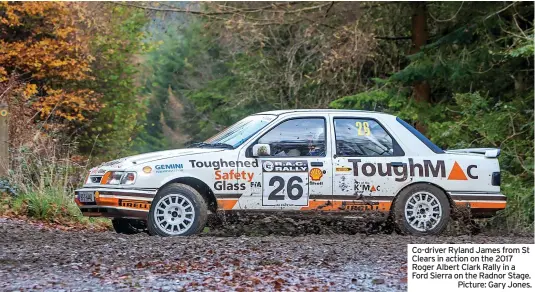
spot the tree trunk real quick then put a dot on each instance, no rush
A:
(421, 91)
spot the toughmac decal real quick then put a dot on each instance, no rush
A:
(401, 173)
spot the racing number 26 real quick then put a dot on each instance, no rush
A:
(293, 184)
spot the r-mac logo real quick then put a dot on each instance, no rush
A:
(168, 167)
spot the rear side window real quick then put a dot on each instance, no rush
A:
(421, 137)
(363, 137)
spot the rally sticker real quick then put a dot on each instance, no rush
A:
(285, 183)
(285, 166)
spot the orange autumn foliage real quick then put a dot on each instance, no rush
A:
(44, 45)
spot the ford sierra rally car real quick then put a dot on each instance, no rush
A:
(297, 160)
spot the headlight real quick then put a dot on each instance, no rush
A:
(129, 178)
(112, 178)
(118, 177)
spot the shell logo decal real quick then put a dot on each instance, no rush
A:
(316, 174)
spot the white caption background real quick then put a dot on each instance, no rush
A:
(471, 267)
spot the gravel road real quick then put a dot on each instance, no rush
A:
(35, 258)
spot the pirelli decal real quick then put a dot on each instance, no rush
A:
(135, 204)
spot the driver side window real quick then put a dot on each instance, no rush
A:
(297, 137)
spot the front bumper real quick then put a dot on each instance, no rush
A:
(121, 203)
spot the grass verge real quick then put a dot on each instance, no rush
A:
(50, 205)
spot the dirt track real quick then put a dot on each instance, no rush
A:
(33, 258)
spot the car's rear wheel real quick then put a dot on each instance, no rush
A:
(177, 209)
(128, 226)
(421, 209)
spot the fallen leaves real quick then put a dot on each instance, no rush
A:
(76, 260)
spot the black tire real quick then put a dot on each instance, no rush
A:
(198, 205)
(128, 226)
(426, 224)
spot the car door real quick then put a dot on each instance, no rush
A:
(299, 167)
(365, 162)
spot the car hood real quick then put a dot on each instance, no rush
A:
(124, 163)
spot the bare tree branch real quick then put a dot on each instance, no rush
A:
(271, 8)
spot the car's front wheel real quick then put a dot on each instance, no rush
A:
(177, 209)
(422, 209)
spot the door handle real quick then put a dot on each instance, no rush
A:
(316, 163)
(397, 164)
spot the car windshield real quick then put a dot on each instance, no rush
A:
(241, 131)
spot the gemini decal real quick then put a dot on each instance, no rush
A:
(401, 173)
(169, 167)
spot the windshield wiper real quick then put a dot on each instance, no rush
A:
(198, 144)
(222, 145)
(215, 145)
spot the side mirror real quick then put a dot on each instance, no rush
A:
(261, 150)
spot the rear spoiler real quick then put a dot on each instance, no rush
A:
(488, 152)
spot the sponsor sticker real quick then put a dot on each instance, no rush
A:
(162, 168)
(411, 169)
(135, 204)
(343, 169)
(316, 174)
(226, 181)
(361, 206)
(232, 175)
(217, 164)
(361, 187)
(285, 166)
(256, 187)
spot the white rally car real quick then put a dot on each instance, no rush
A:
(297, 160)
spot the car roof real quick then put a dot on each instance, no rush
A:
(323, 111)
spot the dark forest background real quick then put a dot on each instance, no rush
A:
(96, 81)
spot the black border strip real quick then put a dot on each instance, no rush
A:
(350, 198)
(228, 196)
(123, 194)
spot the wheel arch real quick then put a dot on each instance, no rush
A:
(421, 183)
(200, 187)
